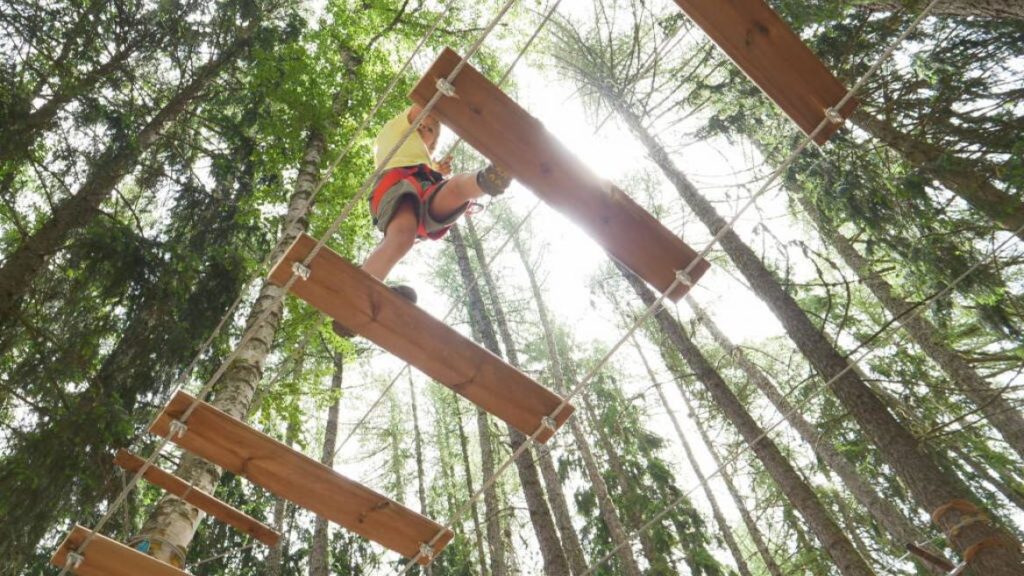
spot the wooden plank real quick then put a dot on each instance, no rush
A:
(105, 557)
(234, 446)
(213, 506)
(773, 57)
(490, 121)
(367, 307)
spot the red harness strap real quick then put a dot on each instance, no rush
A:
(417, 176)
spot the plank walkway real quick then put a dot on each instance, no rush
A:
(242, 450)
(490, 121)
(106, 557)
(774, 58)
(211, 505)
(367, 307)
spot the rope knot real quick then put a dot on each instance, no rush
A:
(447, 88)
(74, 560)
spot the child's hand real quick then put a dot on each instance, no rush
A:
(445, 166)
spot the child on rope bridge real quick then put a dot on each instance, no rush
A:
(415, 197)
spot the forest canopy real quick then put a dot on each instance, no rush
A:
(841, 393)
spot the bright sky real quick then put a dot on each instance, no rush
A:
(571, 259)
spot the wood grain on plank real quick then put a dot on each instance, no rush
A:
(211, 505)
(242, 450)
(487, 119)
(106, 557)
(366, 306)
(774, 57)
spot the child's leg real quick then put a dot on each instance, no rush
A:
(452, 197)
(398, 240)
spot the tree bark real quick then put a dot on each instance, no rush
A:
(488, 493)
(556, 497)
(555, 562)
(319, 548)
(755, 531)
(1013, 9)
(1001, 414)
(656, 562)
(173, 520)
(723, 525)
(803, 498)
(957, 174)
(78, 210)
(606, 506)
(901, 530)
(421, 485)
(931, 483)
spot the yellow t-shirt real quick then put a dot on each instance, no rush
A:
(413, 151)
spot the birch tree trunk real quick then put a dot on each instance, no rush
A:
(319, 550)
(173, 520)
(555, 562)
(75, 212)
(925, 474)
(609, 514)
(723, 524)
(803, 498)
(998, 410)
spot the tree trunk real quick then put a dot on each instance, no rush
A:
(173, 520)
(932, 484)
(901, 530)
(957, 174)
(656, 562)
(492, 509)
(556, 497)
(78, 210)
(274, 565)
(560, 508)
(421, 485)
(980, 8)
(19, 138)
(723, 524)
(36, 492)
(555, 562)
(488, 493)
(755, 531)
(319, 548)
(1001, 414)
(803, 498)
(609, 514)
(1013, 491)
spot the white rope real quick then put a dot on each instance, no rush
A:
(452, 148)
(851, 364)
(407, 366)
(250, 331)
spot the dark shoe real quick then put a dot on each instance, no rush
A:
(402, 290)
(493, 180)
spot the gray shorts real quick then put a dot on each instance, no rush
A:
(391, 198)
